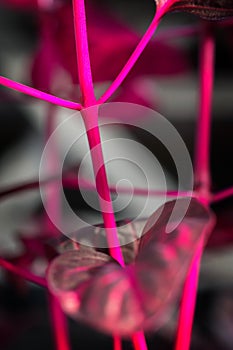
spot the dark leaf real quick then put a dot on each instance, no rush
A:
(207, 9)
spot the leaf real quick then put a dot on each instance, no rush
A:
(89, 237)
(93, 288)
(196, 216)
(207, 9)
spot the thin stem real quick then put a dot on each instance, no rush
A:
(188, 302)
(19, 271)
(83, 57)
(93, 134)
(202, 177)
(202, 159)
(39, 94)
(90, 118)
(136, 54)
(217, 197)
(52, 192)
(73, 183)
(59, 324)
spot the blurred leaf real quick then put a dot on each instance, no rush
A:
(93, 288)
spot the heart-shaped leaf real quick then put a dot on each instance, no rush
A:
(207, 9)
(95, 289)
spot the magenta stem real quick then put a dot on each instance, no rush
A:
(53, 202)
(90, 118)
(202, 180)
(102, 187)
(83, 57)
(117, 345)
(93, 134)
(39, 94)
(202, 159)
(59, 324)
(136, 54)
(188, 302)
(52, 192)
(72, 182)
(217, 197)
(19, 271)
(139, 341)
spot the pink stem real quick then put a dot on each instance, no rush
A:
(202, 177)
(19, 271)
(83, 58)
(59, 324)
(217, 197)
(39, 94)
(52, 193)
(187, 307)
(93, 134)
(90, 118)
(72, 182)
(202, 166)
(117, 343)
(137, 52)
(139, 341)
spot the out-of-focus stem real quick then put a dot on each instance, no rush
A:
(139, 341)
(19, 271)
(73, 183)
(202, 152)
(188, 302)
(117, 345)
(202, 181)
(224, 194)
(59, 324)
(52, 190)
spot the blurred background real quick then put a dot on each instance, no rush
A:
(37, 49)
